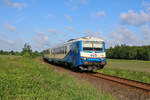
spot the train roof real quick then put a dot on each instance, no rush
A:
(79, 39)
(85, 39)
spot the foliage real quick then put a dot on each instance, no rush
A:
(131, 69)
(2, 52)
(128, 74)
(129, 52)
(26, 52)
(23, 78)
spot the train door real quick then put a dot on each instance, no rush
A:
(76, 55)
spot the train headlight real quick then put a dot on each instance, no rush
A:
(84, 58)
(101, 58)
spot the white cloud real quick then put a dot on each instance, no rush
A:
(2, 35)
(52, 31)
(11, 28)
(49, 15)
(146, 4)
(70, 28)
(46, 38)
(40, 44)
(10, 42)
(7, 44)
(68, 18)
(148, 9)
(19, 19)
(124, 36)
(71, 4)
(42, 35)
(94, 33)
(145, 32)
(133, 18)
(84, 1)
(39, 33)
(34, 1)
(18, 5)
(41, 41)
(98, 14)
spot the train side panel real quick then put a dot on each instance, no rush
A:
(82, 54)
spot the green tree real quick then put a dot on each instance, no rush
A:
(26, 50)
(129, 52)
(132, 52)
(1, 52)
(12, 52)
(36, 54)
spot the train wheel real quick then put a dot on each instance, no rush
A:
(90, 68)
(73, 68)
(100, 67)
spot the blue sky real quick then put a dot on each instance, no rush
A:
(45, 23)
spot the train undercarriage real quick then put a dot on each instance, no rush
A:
(89, 66)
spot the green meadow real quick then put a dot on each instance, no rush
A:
(29, 79)
(131, 69)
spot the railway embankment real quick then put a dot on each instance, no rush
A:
(130, 69)
(122, 89)
(29, 79)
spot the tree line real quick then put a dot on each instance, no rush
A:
(129, 52)
(117, 52)
(26, 52)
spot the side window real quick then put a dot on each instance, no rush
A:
(76, 49)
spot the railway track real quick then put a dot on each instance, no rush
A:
(124, 89)
(145, 87)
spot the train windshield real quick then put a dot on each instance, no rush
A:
(92, 46)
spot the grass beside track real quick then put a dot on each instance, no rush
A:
(130, 69)
(29, 79)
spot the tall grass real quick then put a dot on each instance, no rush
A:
(131, 69)
(28, 79)
(128, 74)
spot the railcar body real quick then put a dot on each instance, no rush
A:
(86, 53)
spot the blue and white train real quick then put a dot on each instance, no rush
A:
(86, 53)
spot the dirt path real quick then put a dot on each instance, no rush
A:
(103, 85)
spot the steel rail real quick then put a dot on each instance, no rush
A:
(127, 82)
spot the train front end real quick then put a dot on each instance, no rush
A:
(93, 55)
